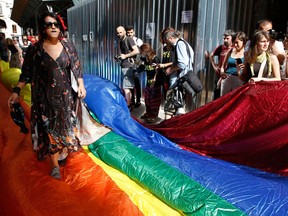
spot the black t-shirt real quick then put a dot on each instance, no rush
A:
(126, 47)
(150, 71)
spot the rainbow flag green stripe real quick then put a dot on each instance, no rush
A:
(168, 184)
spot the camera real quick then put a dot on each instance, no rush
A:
(117, 58)
(279, 36)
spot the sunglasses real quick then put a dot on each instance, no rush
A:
(50, 24)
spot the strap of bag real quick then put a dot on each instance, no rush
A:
(187, 47)
(260, 74)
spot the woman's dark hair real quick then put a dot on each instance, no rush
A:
(42, 34)
(241, 36)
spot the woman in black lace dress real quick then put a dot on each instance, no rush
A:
(49, 65)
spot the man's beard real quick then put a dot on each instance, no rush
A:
(226, 44)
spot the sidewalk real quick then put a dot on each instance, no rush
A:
(138, 112)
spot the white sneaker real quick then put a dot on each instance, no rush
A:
(180, 111)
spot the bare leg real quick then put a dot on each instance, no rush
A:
(54, 159)
(128, 96)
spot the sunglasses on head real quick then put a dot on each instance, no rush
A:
(50, 24)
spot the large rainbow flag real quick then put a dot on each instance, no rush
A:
(134, 170)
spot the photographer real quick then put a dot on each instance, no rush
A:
(128, 49)
(183, 62)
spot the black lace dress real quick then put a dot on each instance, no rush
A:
(53, 117)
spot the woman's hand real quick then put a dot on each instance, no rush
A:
(223, 75)
(14, 98)
(251, 81)
(81, 89)
(240, 68)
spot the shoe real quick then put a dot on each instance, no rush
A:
(138, 104)
(180, 111)
(145, 116)
(55, 173)
(150, 120)
(130, 107)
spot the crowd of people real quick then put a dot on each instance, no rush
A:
(15, 46)
(262, 58)
(134, 58)
(240, 61)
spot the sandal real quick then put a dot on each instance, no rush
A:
(55, 173)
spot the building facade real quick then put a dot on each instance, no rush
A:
(13, 29)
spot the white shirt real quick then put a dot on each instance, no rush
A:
(138, 41)
(184, 60)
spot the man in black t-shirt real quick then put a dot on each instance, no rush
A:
(128, 49)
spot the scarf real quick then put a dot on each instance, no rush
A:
(260, 58)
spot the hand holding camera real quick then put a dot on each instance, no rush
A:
(117, 58)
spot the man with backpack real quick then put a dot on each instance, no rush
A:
(184, 58)
(184, 55)
(128, 49)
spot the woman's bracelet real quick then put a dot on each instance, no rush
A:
(16, 90)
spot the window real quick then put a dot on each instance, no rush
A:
(14, 28)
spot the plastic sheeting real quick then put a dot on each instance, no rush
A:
(252, 191)
(247, 126)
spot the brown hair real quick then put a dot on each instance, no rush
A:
(147, 50)
(253, 52)
(241, 36)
